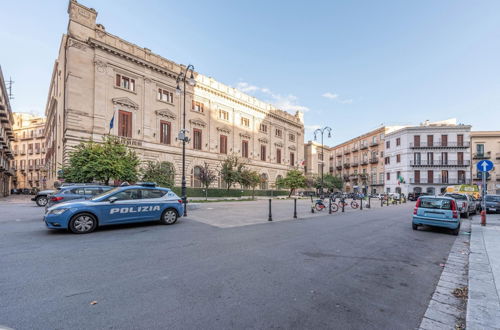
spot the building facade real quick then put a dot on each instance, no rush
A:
(427, 158)
(29, 151)
(6, 138)
(99, 76)
(486, 145)
(317, 159)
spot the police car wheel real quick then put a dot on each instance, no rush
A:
(41, 201)
(169, 217)
(82, 223)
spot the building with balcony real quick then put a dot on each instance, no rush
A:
(428, 157)
(29, 151)
(6, 138)
(99, 76)
(486, 145)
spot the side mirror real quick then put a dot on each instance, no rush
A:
(112, 199)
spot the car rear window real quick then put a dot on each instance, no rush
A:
(435, 203)
(490, 198)
(457, 196)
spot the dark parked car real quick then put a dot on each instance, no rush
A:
(68, 193)
(41, 198)
(492, 203)
(414, 196)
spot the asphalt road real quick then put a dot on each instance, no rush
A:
(355, 271)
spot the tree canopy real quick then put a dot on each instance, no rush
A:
(294, 179)
(330, 182)
(163, 173)
(230, 170)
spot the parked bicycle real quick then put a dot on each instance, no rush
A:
(319, 205)
(343, 203)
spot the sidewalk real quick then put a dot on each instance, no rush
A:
(17, 199)
(483, 308)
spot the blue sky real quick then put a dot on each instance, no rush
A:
(351, 65)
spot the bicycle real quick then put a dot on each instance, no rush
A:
(320, 206)
(343, 203)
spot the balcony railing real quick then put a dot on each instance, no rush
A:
(347, 151)
(440, 163)
(373, 143)
(374, 160)
(339, 167)
(498, 155)
(440, 144)
(347, 165)
(363, 146)
(354, 164)
(364, 162)
(440, 180)
(377, 182)
(484, 155)
(345, 177)
(355, 148)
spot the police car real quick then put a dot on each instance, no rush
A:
(125, 204)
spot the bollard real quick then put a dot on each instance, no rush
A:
(381, 202)
(270, 218)
(343, 205)
(295, 208)
(361, 204)
(387, 200)
(312, 205)
(329, 205)
(483, 218)
(369, 203)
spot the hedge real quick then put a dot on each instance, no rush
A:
(217, 192)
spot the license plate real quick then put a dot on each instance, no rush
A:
(492, 209)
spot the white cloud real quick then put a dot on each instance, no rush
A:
(336, 97)
(284, 102)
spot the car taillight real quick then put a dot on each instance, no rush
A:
(57, 199)
(454, 209)
(416, 206)
(180, 201)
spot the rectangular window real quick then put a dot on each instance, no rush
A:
(245, 122)
(263, 128)
(263, 153)
(244, 149)
(430, 158)
(164, 95)
(461, 177)
(387, 144)
(444, 158)
(224, 115)
(125, 82)
(460, 140)
(197, 139)
(197, 106)
(398, 158)
(165, 132)
(388, 176)
(223, 144)
(480, 149)
(460, 158)
(387, 160)
(416, 140)
(444, 140)
(430, 140)
(278, 156)
(430, 176)
(291, 137)
(279, 132)
(444, 176)
(124, 123)
(416, 175)
(398, 141)
(292, 159)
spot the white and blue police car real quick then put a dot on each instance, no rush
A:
(125, 204)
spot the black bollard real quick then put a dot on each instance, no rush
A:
(343, 205)
(312, 205)
(387, 200)
(369, 204)
(381, 202)
(295, 208)
(330, 205)
(270, 218)
(361, 204)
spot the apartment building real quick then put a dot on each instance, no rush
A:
(427, 158)
(6, 138)
(317, 159)
(29, 151)
(99, 76)
(486, 145)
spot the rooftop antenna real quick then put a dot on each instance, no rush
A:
(10, 82)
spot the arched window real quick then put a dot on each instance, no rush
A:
(431, 190)
(196, 177)
(417, 190)
(263, 181)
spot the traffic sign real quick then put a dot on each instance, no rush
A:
(484, 165)
(481, 174)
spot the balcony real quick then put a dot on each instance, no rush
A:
(364, 162)
(347, 151)
(339, 167)
(374, 160)
(440, 163)
(484, 155)
(498, 155)
(355, 148)
(353, 176)
(363, 146)
(439, 144)
(377, 182)
(363, 176)
(373, 143)
(440, 181)
(345, 177)
(354, 164)
(347, 165)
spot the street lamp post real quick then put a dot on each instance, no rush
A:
(183, 132)
(322, 131)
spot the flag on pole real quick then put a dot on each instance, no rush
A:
(112, 122)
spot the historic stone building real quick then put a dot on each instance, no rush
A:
(6, 137)
(29, 151)
(99, 76)
(486, 145)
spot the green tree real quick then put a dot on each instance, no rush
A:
(230, 170)
(206, 176)
(294, 179)
(251, 179)
(91, 161)
(330, 182)
(163, 173)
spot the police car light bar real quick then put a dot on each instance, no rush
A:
(147, 184)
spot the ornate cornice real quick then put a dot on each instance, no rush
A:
(263, 140)
(126, 102)
(197, 122)
(278, 144)
(292, 148)
(245, 135)
(166, 113)
(224, 129)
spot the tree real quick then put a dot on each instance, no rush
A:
(230, 170)
(163, 173)
(206, 176)
(249, 178)
(330, 182)
(91, 161)
(294, 179)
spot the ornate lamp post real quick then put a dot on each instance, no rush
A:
(182, 77)
(322, 131)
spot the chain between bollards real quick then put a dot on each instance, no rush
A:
(295, 208)
(270, 218)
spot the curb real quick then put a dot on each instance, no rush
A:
(445, 310)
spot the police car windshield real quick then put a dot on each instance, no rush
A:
(105, 193)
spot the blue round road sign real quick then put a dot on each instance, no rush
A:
(484, 165)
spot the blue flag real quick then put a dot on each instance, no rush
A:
(111, 123)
